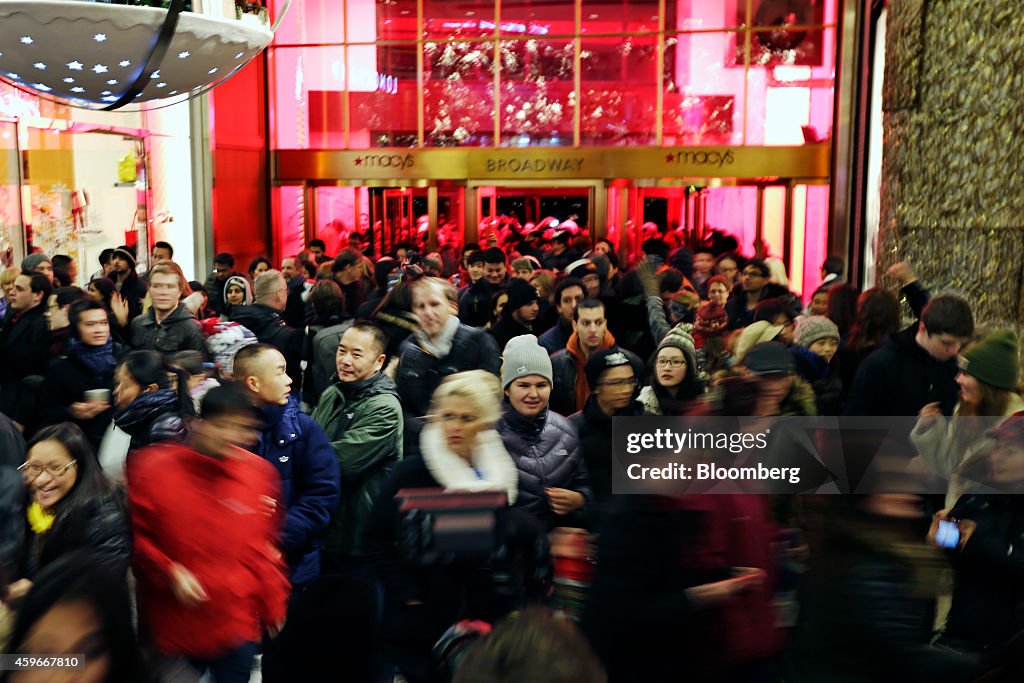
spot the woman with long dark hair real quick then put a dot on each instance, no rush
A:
(78, 608)
(989, 393)
(148, 409)
(674, 384)
(71, 506)
(878, 316)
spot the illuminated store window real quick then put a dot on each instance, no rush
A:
(600, 17)
(458, 93)
(619, 83)
(537, 92)
(423, 73)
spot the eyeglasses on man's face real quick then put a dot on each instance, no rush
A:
(33, 470)
(671, 363)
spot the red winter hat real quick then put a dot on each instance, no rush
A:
(711, 320)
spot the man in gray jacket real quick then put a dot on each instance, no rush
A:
(168, 326)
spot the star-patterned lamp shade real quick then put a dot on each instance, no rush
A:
(89, 54)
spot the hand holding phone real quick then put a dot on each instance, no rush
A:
(948, 534)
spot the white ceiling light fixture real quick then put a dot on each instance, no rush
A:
(188, 52)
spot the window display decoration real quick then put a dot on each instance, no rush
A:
(99, 55)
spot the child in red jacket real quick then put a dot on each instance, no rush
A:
(206, 525)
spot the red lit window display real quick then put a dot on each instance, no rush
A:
(600, 17)
(537, 92)
(458, 93)
(619, 79)
(713, 91)
(535, 73)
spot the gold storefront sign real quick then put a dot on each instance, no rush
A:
(806, 161)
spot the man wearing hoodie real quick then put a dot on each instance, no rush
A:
(362, 416)
(300, 450)
(590, 334)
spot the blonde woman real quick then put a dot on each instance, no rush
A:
(461, 451)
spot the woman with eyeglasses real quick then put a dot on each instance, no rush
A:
(553, 483)
(674, 385)
(71, 506)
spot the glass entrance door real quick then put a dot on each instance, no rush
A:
(789, 218)
(568, 203)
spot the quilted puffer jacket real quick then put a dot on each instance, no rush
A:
(547, 454)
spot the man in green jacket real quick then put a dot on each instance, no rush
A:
(362, 416)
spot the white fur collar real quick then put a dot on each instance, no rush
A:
(496, 468)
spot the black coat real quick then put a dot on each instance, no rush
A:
(901, 378)
(268, 327)
(295, 309)
(988, 596)
(152, 418)
(475, 302)
(637, 612)
(736, 306)
(547, 454)
(67, 380)
(24, 351)
(419, 374)
(449, 592)
(13, 495)
(134, 290)
(595, 433)
(101, 525)
(177, 332)
(865, 624)
(507, 328)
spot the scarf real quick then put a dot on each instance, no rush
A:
(98, 359)
(39, 519)
(493, 467)
(442, 345)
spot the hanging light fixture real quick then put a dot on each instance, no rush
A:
(98, 55)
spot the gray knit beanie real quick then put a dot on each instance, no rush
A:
(811, 328)
(679, 337)
(33, 261)
(523, 356)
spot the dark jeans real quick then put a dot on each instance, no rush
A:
(233, 667)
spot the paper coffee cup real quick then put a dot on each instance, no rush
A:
(98, 395)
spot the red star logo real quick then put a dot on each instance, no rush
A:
(359, 161)
(669, 158)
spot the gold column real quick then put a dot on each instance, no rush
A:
(952, 189)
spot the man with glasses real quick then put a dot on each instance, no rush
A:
(362, 416)
(754, 287)
(613, 375)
